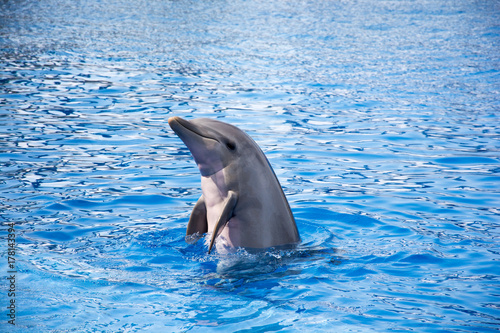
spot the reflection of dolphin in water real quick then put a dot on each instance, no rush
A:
(242, 202)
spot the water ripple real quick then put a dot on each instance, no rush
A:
(380, 120)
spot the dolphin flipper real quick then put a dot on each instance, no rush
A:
(198, 220)
(225, 216)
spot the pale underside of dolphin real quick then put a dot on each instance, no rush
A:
(242, 202)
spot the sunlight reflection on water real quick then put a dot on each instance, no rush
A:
(380, 120)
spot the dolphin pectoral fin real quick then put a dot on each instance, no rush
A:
(225, 216)
(197, 222)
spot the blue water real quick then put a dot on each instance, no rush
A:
(381, 120)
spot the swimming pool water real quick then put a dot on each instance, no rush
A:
(380, 118)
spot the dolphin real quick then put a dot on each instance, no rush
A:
(242, 202)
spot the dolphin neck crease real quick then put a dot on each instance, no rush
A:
(209, 171)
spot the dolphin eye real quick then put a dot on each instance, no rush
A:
(230, 145)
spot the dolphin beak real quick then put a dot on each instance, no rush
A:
(184, 130)
(179, 126)
(200, 143)
(172, 119)
(175, 122)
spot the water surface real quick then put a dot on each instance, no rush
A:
(380, 118)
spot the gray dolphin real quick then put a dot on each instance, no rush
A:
(242, 201)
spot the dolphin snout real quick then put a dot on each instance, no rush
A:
(173, 120)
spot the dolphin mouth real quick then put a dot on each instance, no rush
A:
(175, 122)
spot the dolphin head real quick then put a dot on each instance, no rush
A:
(213, 144)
